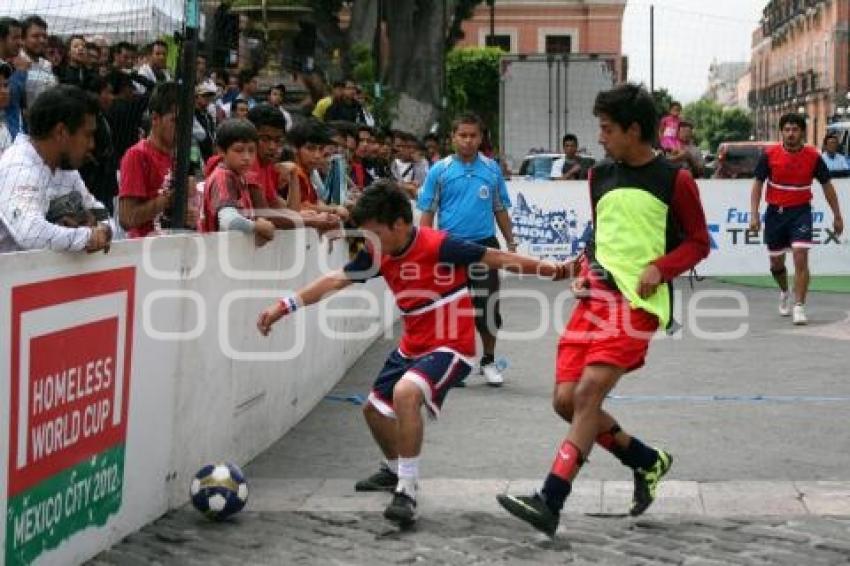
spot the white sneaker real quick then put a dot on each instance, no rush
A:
(492, 375)
(800, 314)
(784, 304)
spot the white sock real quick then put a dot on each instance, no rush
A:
(392, 465)
(408, 473)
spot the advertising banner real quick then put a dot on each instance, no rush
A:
(553, 220)
(70, 383)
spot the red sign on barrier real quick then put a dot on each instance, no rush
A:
(70, 385)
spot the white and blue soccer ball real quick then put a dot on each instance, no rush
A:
(219, 490)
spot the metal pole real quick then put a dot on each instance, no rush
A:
(652, 48)
(185, 114)
(377, 48)
(444, 86)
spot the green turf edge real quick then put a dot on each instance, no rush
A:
(819, 283)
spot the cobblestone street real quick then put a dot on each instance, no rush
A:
(183, 537)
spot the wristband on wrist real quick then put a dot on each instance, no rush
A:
(290, 304)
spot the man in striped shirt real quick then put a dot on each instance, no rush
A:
(789, 169)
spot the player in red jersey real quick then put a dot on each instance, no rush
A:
(789, 169)
(426, 271)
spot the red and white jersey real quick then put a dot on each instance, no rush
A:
(789, 175)
(429, 282)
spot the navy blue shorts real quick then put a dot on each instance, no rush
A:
(786, 228)
(434, 373)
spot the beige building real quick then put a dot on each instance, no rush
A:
(723, 82)
(744, 88)
(800, 63)
(551, 26)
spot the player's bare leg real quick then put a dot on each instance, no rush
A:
(779, 272)
(407, 402)
(780, 275)
(801, 284)
(385, 431)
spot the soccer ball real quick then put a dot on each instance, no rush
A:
(219, 490)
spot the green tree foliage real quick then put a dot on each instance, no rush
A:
(662, 99)
(463, 11)
(714, 124)
(472, 74)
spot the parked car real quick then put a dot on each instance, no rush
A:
(539, 165)
(737, 160)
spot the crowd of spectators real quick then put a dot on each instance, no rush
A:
(257, 163)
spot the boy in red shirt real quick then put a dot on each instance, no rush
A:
(309, 139)
(227, 203)
(144, 189)
(426, 270)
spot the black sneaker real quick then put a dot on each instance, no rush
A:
(646, 483)
(382, 480)
(531, 509)
(401, 510)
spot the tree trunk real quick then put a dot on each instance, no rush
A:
(416, 37)
(364, 16)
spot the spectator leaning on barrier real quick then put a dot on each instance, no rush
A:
(269, 176)
(227, 196)
(44, 203)
(835, 161)
(309, 139)
(145, 185)
(468, 195)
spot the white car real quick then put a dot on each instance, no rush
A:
(547, 165)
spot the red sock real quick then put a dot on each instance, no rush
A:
(567, 461)
(607, 440)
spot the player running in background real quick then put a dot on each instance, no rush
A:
(649, 228)
(426, 271)
(789, 169)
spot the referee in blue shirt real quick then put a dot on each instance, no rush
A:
(467, 194)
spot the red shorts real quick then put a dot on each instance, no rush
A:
(604, 332)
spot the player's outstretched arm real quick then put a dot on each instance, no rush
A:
(313, 293)
(516, 263)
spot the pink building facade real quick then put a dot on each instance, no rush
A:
(799, 63)
(551, 26)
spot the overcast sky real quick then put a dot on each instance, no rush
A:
(689, 34)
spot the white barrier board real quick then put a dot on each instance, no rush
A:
(124, 373)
